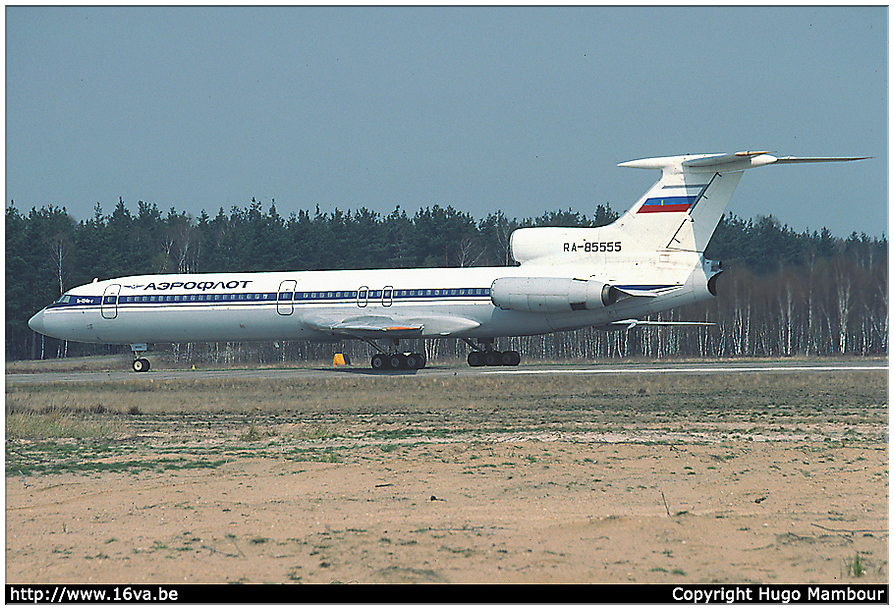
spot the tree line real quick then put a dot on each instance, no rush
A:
(782, 292)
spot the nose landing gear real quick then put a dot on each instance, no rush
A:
(140, 365)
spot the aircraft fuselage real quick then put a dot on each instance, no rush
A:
(438, 302)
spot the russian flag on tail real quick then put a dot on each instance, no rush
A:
(677, 203)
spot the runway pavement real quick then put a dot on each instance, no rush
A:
(603, 368)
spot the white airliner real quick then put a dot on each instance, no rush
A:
(649, 260)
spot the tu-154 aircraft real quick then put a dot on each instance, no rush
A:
(649, 260)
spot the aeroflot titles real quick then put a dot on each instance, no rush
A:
(194, 285)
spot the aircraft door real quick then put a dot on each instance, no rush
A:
(285, 297)
(387, 296)
(110, 301)
(363, 296)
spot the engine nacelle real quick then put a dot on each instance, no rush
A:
(544, 243)
(551, 294)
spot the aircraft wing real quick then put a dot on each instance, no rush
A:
(393, 326)
(628, 324)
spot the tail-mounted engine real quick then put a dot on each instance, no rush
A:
(551, 294)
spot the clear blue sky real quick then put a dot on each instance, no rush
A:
(523, 109)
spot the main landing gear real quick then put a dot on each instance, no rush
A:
(487, 356)
(385, 362)
(140, 365)
(396, 361)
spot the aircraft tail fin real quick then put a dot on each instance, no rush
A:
(682, 209)
(678, 213)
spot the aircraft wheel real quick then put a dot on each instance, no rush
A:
(476, 358)
(415, 361)
(140, 365)
(493, 358)
(511, 358)
(379, 362)
(397, 361)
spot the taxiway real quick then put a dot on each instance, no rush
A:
(637, 368)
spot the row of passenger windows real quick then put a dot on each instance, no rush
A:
(176, 298)
(390, 292)
(288, 296)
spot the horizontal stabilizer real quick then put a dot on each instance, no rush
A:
(723, 158)
(724, 162)
(818, 159)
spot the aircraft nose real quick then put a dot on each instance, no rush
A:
(36, 322)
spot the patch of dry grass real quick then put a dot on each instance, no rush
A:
(808, 392)
(60, 424)
(757, 406)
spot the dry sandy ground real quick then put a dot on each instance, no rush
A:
(548, 510)
(696, 502)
